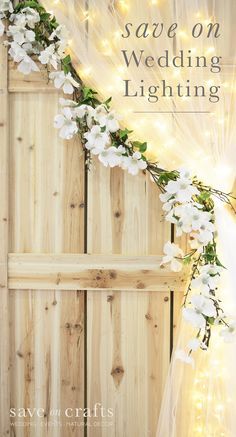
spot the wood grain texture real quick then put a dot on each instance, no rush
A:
(47, 215)
(91, 272)
(4, 226)
(128, 332)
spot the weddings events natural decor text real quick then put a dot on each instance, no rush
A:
(34, 37)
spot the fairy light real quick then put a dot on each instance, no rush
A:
(210, 50)
(183, 34)
(124, 5)
(85, 72)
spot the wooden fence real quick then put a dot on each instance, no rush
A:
(63, 231)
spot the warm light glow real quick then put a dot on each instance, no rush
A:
(124, 5)
(183, 34)
(210, 50)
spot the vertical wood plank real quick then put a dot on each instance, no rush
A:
(47, 215)
(4, 220)
(128, 332)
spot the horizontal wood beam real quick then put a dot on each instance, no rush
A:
(91, 272)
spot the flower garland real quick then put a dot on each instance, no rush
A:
(33, 34)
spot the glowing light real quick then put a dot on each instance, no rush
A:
(154, 2)
(225, 84)
(162, 126)
(220, 408)
(106, 47)
(121, 68)
(210, 50)
(183, 34)
(86, 72)
(124, 5)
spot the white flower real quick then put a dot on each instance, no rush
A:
(229, 332)
(21, 34)
(212, 269)
(184, 173)
(96, 140)
(67, 102)
(207, 280)
(61, 33)
(27, 65)
(202, 306)
(184, 356)
(110, 121)
(112, 156)
(65, 122)
(32, 16)
(172, 251)
(27, 16)
(61, 47)
(64, 81)
(83, 110)
(204, 283)
(134, 163)
(5, 6)
(194, 344)
(199, 219)
(2, 28)
(18, 54)
(99, 112)
(49, 56)
(182, 189)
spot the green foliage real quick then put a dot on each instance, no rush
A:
(123, 134)
(166, 176)
(107, 102)
(66, 64)
(30, 4)
(142, 147)
(210, 320)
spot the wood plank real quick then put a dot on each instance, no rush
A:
(91, 272)
(47, 177)
(128, 332)
(36, 82)
(4, 225)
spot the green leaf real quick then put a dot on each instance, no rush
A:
(187, 260)
(205, 195)
(45, 16)
(166, 176)
(88, 93)
(211, 320)
(66, 60)
(141, 146)
(218, 263)
(107, 102)
(123, 134)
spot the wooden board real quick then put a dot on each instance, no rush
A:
(4, 226)
(128, 332)
(47, 215)
(91, 272)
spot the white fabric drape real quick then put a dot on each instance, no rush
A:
(199, 401)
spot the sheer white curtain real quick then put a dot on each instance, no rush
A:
(198, 401)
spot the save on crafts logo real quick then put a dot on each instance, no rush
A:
(34, 417)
